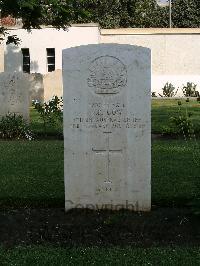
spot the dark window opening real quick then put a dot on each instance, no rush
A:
(51, 59)
(26, 60)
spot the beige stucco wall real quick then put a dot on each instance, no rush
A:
(53, 85)
(175, 52)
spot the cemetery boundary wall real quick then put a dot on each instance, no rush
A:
(175, 53)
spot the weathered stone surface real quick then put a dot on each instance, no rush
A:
(107, 127)
(53, 85)
(14, 94)
(36, 87)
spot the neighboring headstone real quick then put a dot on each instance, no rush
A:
(14, 94)
(53, 85)
(36, 87)
(107, 128)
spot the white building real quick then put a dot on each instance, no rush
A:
(175, 52)
(40, 51)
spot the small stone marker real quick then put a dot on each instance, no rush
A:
(14, 94)
(107, 127)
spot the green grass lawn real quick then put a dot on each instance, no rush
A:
(37, 126)
(32, 175)
(175, 171)
(32, 172)
(44, 256)
(163, 109)
(36, 121)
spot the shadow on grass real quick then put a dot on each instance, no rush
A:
(162, 227)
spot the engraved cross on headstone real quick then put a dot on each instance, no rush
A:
(108, 153)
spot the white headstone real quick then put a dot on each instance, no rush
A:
(14, 94)
(107, 128)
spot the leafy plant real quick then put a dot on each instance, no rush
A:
(110, 14)
(189, 90)
(168, 90)
(153, 94)
(179, 124)
(51, 113)
(13, 126)
(182, 123)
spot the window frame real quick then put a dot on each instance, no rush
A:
(51, 54)
(26, 66)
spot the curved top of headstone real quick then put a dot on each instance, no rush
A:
(110, 48)
(99, 53)
(102, 46)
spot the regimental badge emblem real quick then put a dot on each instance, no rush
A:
(107, 75)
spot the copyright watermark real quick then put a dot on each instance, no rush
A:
(104, 206)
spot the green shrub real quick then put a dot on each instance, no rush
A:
(189, 90)
(13, 126)
(51, 113)
(182, 123)
(187, 100)
(179, 124)
(168, 90)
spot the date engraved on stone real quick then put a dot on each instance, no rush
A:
(107, 75)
